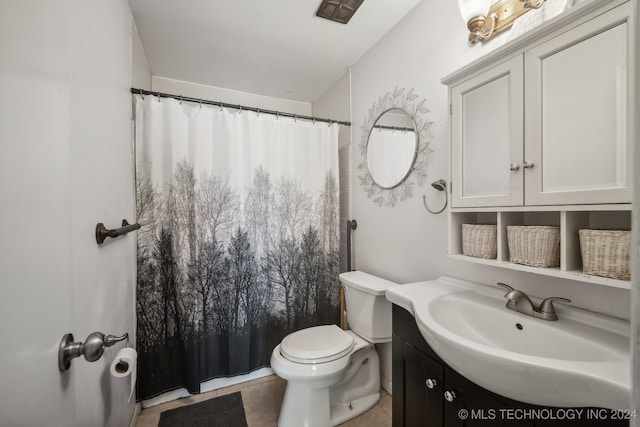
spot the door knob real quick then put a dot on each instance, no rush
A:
(514, 167)
(431, 383)
(92, 348)
(528, 165)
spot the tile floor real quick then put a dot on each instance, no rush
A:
(262, 399)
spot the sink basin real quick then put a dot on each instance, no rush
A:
(582, 359)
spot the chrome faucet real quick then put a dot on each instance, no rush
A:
(520, 302)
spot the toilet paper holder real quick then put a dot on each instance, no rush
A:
(92, 348)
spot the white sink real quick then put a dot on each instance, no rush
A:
(582, 359)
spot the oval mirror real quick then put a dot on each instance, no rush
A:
(392, 147)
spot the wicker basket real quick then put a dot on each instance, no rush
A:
(606, 253)
(538, 246)
(479, 240)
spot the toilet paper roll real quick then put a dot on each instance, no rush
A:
(125, 364)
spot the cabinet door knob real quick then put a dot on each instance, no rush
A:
(514, 167)
(528, 165)
(431, 383)
(449, 395)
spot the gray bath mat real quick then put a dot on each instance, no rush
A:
(221, 411)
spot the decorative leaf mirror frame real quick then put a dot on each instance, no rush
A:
(415, 109)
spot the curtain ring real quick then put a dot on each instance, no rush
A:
(180, 99)
(200, 100)
(158, 95)
(295, 118)
(142, 94)
(239, 109)
(277, 115)
(220, 105)
(314, 120)
(258, 110)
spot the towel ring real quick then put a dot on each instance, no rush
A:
(440, 185)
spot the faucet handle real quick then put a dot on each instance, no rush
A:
(547, 308)
(504, 285)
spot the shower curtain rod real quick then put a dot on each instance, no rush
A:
(221, 104)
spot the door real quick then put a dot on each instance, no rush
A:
(35, 250)
(578, 127)
(65, 165)
(487, 138)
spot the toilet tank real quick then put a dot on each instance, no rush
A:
(368, 311)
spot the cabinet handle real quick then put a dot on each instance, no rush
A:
(450, 396)
(514, 167)
(528, 165)
(431, 383)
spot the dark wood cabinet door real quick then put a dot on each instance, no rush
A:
(424, 378)
(473, 406)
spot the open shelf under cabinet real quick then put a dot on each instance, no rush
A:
(617, 217)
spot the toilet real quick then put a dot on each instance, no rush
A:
(334, 375)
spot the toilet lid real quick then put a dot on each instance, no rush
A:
(319, 344)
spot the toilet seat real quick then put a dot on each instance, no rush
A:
(319, 344)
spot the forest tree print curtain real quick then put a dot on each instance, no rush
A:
(239, 242)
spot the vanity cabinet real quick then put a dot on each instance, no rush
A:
(421, 380)
(547, 122)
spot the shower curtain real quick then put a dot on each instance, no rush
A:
(239, 242)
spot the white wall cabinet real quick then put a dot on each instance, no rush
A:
(541, 134)
(550, 124)
(486, 134)
(576, 115)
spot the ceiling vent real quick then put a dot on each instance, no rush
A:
(338, 10)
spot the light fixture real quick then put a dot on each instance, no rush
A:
(338, 10)
(485, 19)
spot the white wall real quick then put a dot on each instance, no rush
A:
(141, 72)
(405, 243)
(65, 165)
(212, 93)
(335, 104)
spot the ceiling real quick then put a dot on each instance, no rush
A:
(274, 48)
